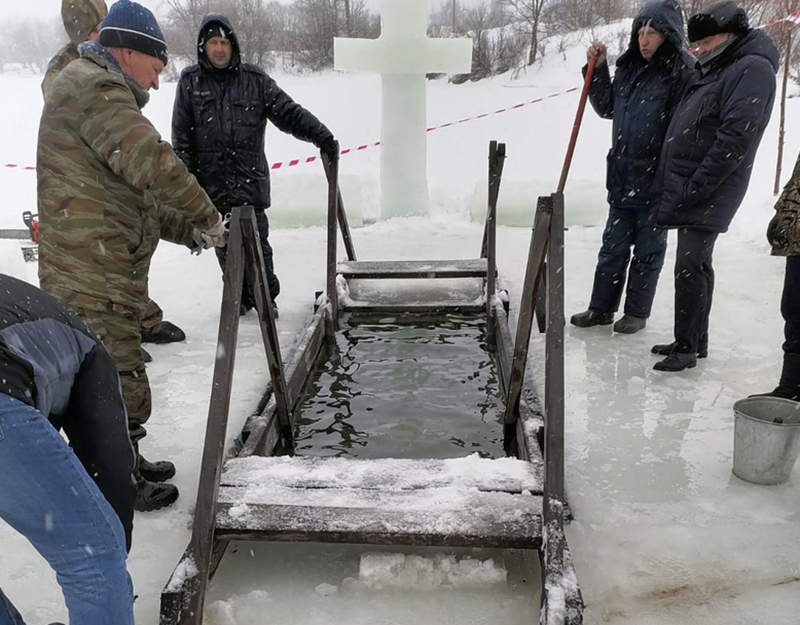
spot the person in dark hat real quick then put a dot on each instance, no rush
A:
(82, 22)
(707, 161)
(222, 106)
(103, 171)
(650, 77)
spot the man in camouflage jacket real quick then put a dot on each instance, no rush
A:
(82, 20)
(102, 170)
(783, 235)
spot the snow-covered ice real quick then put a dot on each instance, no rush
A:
(664, 534)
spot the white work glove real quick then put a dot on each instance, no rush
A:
(215, 236)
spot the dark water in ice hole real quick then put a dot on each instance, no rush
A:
(428, 390)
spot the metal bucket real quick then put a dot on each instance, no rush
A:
(766, 439)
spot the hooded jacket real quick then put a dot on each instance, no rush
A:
(219, 124)
(641, 100)
(712, 141)
(51, 361)
(102, 170)
(79, 17)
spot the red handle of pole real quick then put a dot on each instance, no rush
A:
(587, 82)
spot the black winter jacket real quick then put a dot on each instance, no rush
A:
(50, 360)
(713, 138)
(219, 123)
(641, 100)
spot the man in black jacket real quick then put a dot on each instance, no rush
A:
(52, 368)
(707, 161)
(649, 80)
(219, 121)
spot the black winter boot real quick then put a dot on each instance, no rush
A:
(146, 355)
(630, 324)
(159, 471)
(665, 349)
(151, 496)
(589, 318)
(167, 332)
(676, 361)
(789, 385)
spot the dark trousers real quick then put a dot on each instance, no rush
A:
(628, 228)
(790, 306)
(694, 288)
(273, 284)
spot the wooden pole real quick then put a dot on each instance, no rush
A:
(782, 127)
(554, 391)
(497, 155)
(530, 289)
(344, 225)
(333, 214)
(202, 541)
(254, 260)
(573, 140)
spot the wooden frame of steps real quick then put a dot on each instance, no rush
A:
(265, 493)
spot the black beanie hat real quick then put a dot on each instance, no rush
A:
(215, 29)
(130, 25)
(720, 17)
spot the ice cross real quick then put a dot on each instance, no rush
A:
(403, 54)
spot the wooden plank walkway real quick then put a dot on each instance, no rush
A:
(413, 269)
(464, 502)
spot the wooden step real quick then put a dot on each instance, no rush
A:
(464, 502)
(486, 474)
(413, 269)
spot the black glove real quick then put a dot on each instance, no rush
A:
(781, 228)
(330, 148)
(772, 230)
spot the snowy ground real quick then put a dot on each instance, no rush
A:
(664, 534)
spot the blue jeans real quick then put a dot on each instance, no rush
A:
(47, 496)
(626, 228)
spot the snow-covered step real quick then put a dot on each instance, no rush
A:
(455, 502)
(413, 269)
(487, 474)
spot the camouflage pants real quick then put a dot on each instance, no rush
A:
(119, 332)
(152, 317)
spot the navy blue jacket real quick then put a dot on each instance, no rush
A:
(641, 101)
(219, 122)
(50, 360)
(713, 138)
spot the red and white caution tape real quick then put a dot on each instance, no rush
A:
(310, 159)
(15, 166)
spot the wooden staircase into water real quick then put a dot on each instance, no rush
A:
(266, 493)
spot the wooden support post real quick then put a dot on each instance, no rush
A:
(782, 128)
(497, 156)
(530, 288)
(344, 225)
(554, 392)
(333, 210)
(266, 318)
(202, 542)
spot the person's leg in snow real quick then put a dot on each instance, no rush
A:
(48, 497)
(155, 330)
(119, 332)
(694, 290)
(789, 383)
(609, 275)
(649, 250)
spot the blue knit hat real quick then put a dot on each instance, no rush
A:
(130, 25)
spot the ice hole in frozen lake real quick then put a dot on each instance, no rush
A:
(323, 584)
(404, 386)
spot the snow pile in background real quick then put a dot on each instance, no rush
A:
(397, 570)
